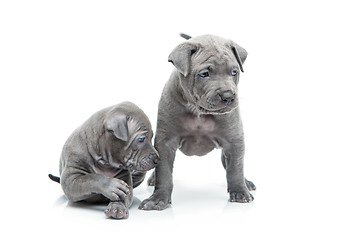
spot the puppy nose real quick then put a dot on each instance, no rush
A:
(154, 157)
(227, 96)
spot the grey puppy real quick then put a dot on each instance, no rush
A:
(198, 111)
(108, 156)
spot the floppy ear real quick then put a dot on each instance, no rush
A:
(117, 125)
(181, 57)
(240, 54)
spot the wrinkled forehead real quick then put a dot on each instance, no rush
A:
(136, 127)
(214, 58)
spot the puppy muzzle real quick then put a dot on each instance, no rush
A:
(148, 162)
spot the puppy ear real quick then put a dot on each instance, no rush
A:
(181, 57)
(117, 125)
(240, 54)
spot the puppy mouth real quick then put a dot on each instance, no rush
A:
(144, 165)
(137, 168)
(222, 110)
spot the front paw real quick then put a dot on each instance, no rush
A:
(116, 210)
(243, 196)
(116, 189)
(157, 201)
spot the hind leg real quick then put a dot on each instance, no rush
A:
(250, 185)
(97, 198)
(151, 179)
(117, 210)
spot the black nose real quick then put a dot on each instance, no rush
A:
(154, 157)
(227, 97)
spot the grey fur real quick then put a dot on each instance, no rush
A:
(103, 159)
(198, 111)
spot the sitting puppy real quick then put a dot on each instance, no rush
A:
(108, 156)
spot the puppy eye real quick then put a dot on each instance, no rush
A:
(234, 73)
(141, 139)
(204, 74)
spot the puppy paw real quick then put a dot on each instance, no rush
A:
(116, 190)
(158, 201)
(116, 210)
(151, 180)
(243, 196)
(250, 185)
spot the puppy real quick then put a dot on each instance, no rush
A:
(198, 111)
(108, 156)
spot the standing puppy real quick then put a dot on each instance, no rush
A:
(106, 157)
(198, 111)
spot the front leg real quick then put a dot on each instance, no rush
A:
(79, 185)
(161, 197)
(120, 209)
(233, 160)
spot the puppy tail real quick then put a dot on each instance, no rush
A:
(54, 178)
(183, 35)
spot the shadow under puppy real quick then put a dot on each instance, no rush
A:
(108, 156)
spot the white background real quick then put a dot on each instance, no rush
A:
(60, 61)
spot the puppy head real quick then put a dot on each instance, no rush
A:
(128, 138)
(209, 67)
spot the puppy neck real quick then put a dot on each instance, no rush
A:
(182, 95)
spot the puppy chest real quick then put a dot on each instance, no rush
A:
(201, 124)
(198, 135)
(105, 170)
